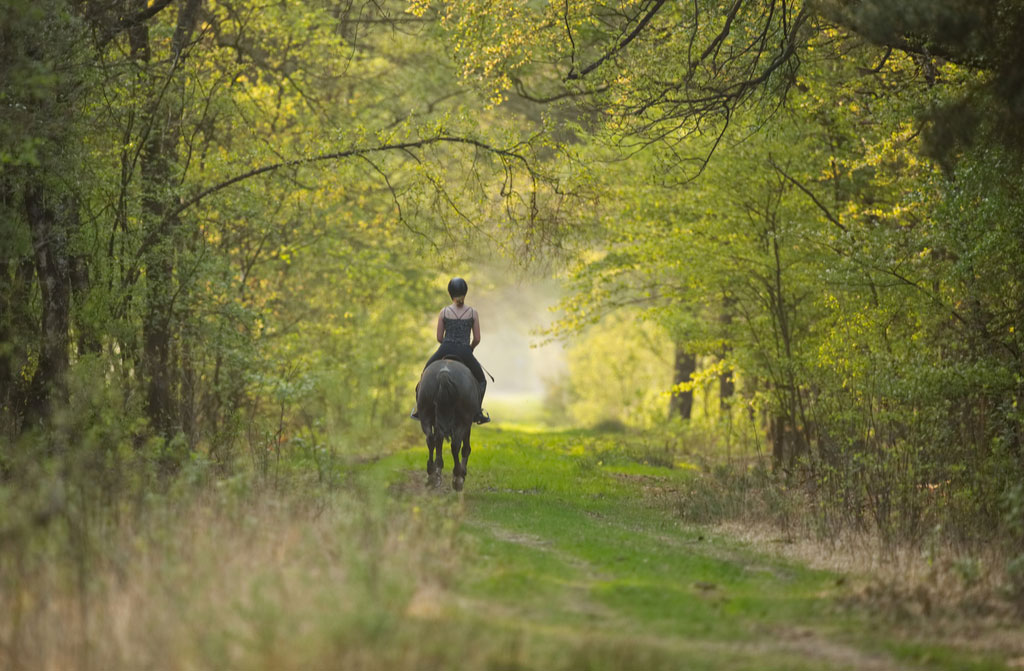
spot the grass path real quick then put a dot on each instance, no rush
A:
(566, 562)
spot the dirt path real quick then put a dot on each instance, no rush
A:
(778, 641)
(574, 564)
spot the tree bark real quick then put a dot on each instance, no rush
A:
(87, 341)
(158, 158)
(49, 225)
(681, 404)
(726, 383)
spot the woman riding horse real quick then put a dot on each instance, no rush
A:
(455, 324)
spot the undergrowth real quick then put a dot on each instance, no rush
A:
(227, 573)
(309, 559)
(922, 559)
(930, 569)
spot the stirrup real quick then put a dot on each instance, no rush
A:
(481, 417)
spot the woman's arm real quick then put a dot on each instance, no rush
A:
(440, 326)
(476, 330)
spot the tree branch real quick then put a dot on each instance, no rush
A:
(821, 206)
(348, 153)
(128, 22)
(620, 46)
(362, 152)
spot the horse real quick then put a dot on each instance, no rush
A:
(448, 399)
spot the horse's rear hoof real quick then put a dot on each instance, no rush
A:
(457, 483)
(434, 480)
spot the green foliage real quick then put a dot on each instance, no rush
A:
(836, 274)
(40, 45)
(256, 224)
(616, 372)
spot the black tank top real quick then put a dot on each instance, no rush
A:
(457, 330)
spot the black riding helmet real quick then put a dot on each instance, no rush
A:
(457, 287)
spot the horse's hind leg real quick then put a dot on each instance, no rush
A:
(459, 471)
(435, 459)
(457, 477)
(439, 456)
(430, 460)
(466, 449)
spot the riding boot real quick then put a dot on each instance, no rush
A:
(481, 417)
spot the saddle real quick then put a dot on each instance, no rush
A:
(453, 357)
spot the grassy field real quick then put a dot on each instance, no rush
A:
(571, 557)
(565, 552)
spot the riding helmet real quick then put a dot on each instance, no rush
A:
(457, 287)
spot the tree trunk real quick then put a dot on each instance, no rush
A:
(159, 262)
(777, 437)
(160, 228)
(19, 330)
(8, 321)
(681, 404)
(87, 340)
(49, 224)
(726, 388)
(726, 383)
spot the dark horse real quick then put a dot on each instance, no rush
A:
(447, 398)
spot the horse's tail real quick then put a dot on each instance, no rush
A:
(445, 403)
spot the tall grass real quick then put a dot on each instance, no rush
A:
(233, 575)
(924, 569)
(278, 559)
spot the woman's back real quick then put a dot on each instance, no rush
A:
(457, 329)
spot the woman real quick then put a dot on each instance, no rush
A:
(455, 324)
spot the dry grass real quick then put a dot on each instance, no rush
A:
(927, 586)
(944, 589)
(924, 575)
(267, 582)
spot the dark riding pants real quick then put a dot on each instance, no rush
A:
(462, 353)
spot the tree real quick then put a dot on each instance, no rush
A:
(41, 100)
(236, 170)
(817, 230)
